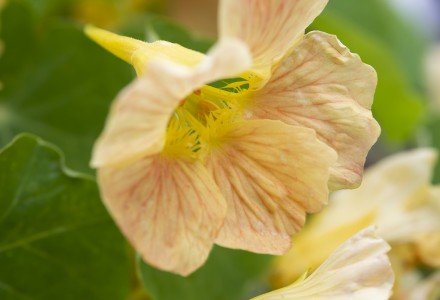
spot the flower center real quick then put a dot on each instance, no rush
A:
(201, 121)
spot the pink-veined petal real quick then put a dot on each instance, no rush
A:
(323, 86)
(170, 210)
(271, 174)
(359, 269)
(270, 27)
(139, 116)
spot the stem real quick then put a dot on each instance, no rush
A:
(137, 290)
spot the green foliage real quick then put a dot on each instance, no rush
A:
(152, 28)
(228, 274)
(46, 8)
(57, 83)
(56, 238)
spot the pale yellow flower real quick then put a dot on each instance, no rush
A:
(183, 163)
(397, 196)
(413, 286)
(359, 269)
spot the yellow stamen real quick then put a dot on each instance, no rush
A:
(181, 140)
(218, 125)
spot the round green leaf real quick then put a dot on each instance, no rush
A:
(56, 238)
(56, 83)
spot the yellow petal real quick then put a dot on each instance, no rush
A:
(401, 222)
(170, 210)
(427, 240)
(428, 248)
(358, 269)
(271, 174)
(139, 116)
(323, 86)
(382, 199)
(270, 27)
(313, 245)
(394, 179)
(139, 53)
(397, 189)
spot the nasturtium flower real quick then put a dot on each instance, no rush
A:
(185, 161)
(397, 196)
(359, 269)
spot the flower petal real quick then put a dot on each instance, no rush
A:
(271, 174)
(397, 190)
(138, 119)
(270, 27)
(428, 248)
(170, 210)
(414, 286)
(312, 246)
(427, 234)
(410, 220)
(384, 198)
(393, 180)
(139, 53)
(358, 269)
(323, 86)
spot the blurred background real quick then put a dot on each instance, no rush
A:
(57, 84)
